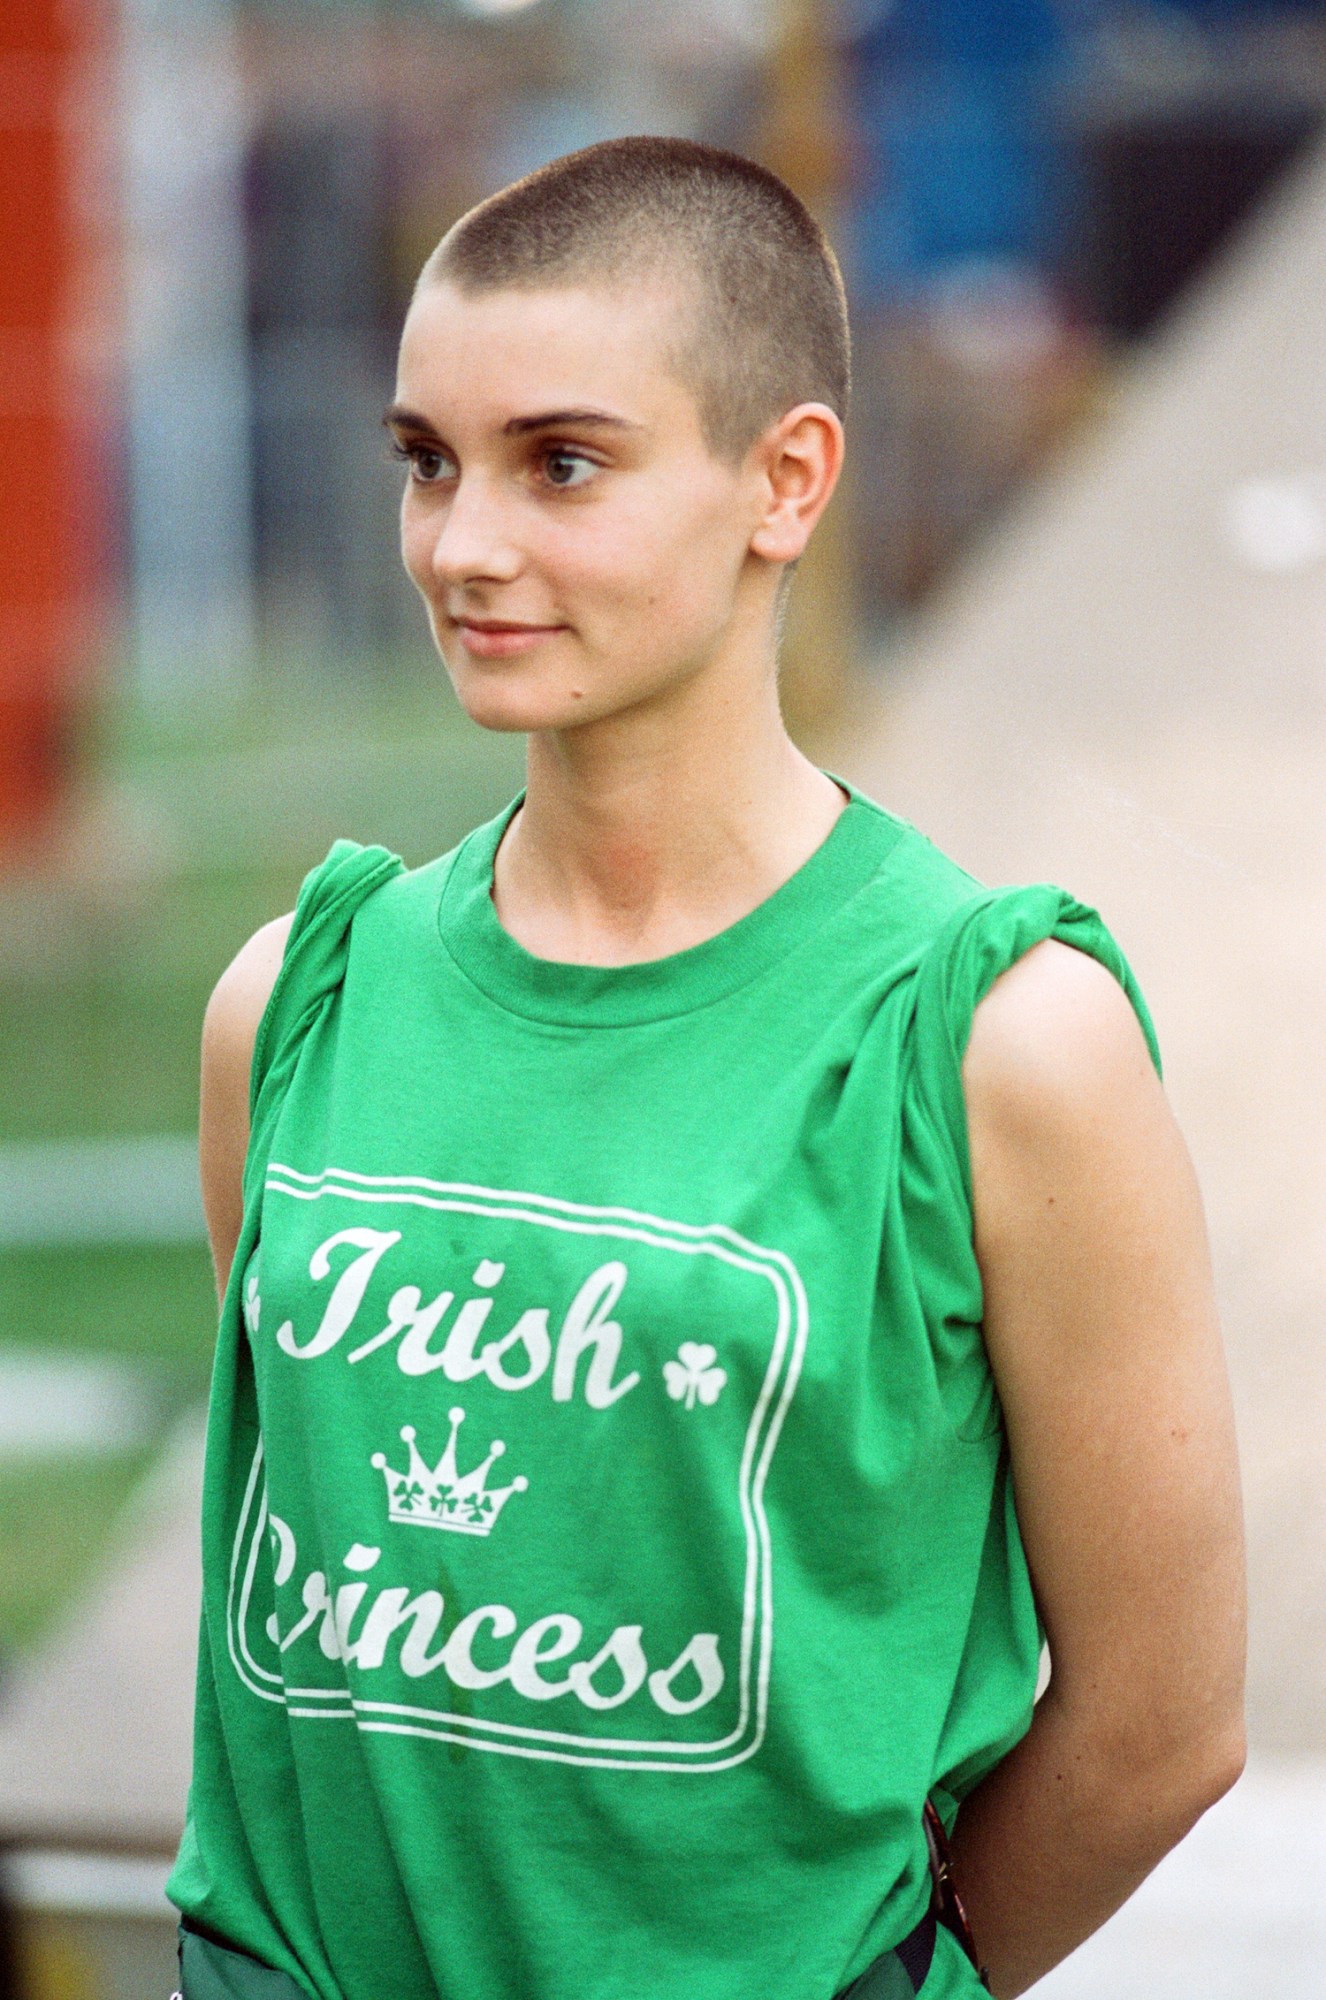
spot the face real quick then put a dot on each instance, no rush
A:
(578, 548)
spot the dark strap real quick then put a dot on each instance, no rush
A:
(945, 1900)
(898, 1974)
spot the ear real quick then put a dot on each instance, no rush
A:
(799, 458)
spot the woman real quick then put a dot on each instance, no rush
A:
(672, 1231)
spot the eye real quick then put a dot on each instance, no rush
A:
(428, 463)
(560, 463)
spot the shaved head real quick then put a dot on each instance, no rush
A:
(761, 316)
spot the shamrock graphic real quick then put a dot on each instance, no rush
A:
(693, 1374)
(252, 1303)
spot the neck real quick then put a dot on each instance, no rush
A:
(648, 832)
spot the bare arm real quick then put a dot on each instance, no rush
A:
(1102, 1333)
(230, 1028)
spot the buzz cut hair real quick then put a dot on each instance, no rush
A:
(763, 314)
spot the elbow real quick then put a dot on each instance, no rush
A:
(1218, 1747)
(1159, 1766)
(1192, 1775)
(1222, 1764)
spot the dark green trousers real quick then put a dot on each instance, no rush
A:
(208, 1971)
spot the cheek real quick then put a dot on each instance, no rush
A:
(655, 557)
(685, 580)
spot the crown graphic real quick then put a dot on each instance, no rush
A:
(442, 1498)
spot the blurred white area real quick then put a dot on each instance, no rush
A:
(111, 1190)
(1278, 526)
(92, 1884)
(1237, 1912)
(485, 9)
(186, 359)
(62, 1402)
(95, 1727)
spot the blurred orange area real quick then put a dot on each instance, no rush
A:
(50, 548)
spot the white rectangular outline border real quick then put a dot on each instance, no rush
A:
(715, 1239)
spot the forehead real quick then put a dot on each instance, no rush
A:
(495, 354)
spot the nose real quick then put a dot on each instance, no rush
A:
(472, 540)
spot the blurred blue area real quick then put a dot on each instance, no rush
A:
(975, 34)
(958, 166)
(964, 152)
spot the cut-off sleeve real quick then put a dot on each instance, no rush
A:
(311, 969)
(980, 941)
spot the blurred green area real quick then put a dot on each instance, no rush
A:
(197, 827)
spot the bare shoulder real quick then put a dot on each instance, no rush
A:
(244, 988)
(1066, 1116)
(230, 1029)
(1089, 1231)
(1056, 1031)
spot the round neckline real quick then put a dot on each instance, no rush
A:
(569, 994)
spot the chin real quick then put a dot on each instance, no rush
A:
(490, 710)
(510, 703)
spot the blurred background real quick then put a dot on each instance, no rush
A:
(1068, 612)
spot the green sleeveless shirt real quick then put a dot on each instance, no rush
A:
(608, 1530)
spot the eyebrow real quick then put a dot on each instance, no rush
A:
(401, 418)
(517, 426)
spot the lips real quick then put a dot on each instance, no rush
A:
(496, 625)
(491, 640)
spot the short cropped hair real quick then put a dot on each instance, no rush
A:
(767, 326)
